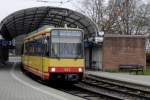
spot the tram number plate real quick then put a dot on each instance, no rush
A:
(67, 69)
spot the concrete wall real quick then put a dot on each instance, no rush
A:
(123, 49)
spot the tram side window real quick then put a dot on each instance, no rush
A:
(27, 48)
(37, 47)
(49, 47)
(45, 46)
(30, 48)
(34, 46)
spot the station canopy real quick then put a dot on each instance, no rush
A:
(28, 20)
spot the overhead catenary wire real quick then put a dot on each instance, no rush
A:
(50, 1)
(61, 2)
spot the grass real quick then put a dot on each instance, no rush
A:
(112, 71)
(146, 72)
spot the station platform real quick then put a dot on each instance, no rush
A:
(14, 85)
(135, 79)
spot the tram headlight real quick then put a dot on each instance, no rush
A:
(80, 69)
(53, 69)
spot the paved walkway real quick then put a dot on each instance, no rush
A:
(137, 79)
(14, 85)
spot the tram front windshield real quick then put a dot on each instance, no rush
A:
(66, 43)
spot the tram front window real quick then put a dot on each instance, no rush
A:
(67, 44)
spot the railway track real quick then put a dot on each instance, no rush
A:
(76, 89)
(99, 88)
(120, 90)
(86, 93)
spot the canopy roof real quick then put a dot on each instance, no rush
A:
(28, 20)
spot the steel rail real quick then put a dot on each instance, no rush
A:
(117, 88)
(80, 90)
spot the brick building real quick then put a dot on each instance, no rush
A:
(123, 49)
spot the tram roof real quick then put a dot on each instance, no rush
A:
(28, 20)
(46, 29)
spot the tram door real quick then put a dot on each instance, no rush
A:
(44, 53)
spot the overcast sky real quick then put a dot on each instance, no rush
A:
(9, 6)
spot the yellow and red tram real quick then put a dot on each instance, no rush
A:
(55, 53)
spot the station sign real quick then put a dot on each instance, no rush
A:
(7, 42)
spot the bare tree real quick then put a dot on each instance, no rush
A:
(95, 9)
(120, 16)
(142, 18)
